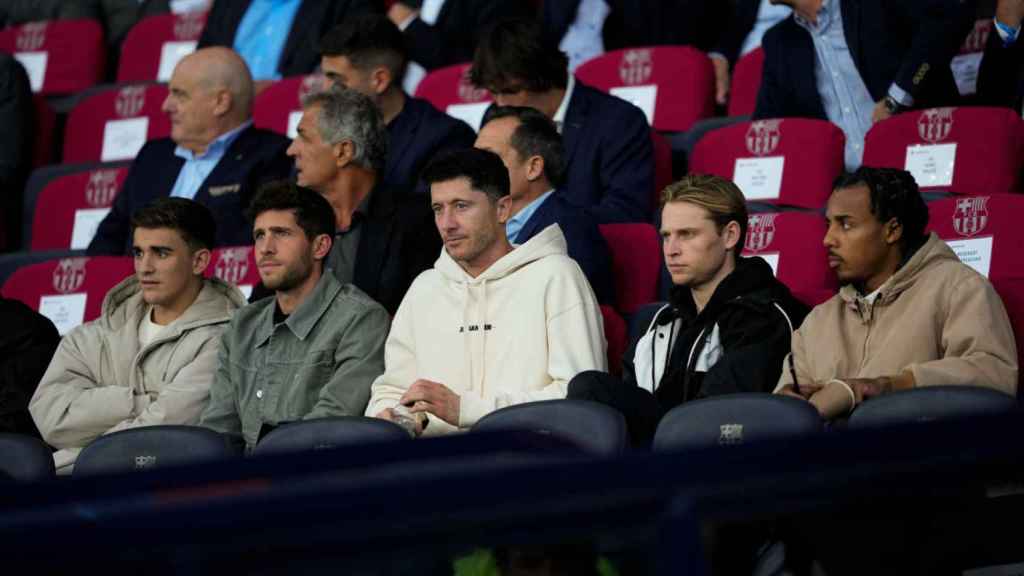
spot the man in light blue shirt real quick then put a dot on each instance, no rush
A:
(262, 34)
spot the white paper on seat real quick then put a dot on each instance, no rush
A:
(965, 69)
(975, 252)
(429, 11)
(122, 139)
(65, 310)
(35, 66)
(472, 114)
(293, 123)
(643, 97)
(759, 178)
(931, 164)
(414, 74)
(246, 290)
(170, 54)
(87, 220)
(772, 259)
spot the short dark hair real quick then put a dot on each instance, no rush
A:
(189, 218)
(483, 168)
(894, 194)
(312, 211)
(518, 51)
(368, 40)
(536, 135)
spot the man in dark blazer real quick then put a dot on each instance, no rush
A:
(747, 17)
(439, 37)
(531, 149)
(313, 19)
(367, 54)
(214, 155)
(609, 155)
(380, 244)
(16, 140)
(1001, 79)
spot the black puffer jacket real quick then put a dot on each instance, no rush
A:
(27, 344)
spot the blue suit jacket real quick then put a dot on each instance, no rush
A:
(418, 133)
(255, 157)
(609, 157)
(586, 245)
(1001, 78)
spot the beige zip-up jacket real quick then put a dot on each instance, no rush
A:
(935, 317)
(100, 381)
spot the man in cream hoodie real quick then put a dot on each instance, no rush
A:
(491, 325)
(150, 357)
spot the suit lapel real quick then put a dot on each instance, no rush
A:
(234, 155)
(539, 220)
(405, 132)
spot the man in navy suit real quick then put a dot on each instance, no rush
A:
(531, 149)
(214, 156)
(1001, 79)
(367, 54)
(608, 149)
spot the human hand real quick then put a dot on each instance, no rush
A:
(433, 398)
(722, 79)
(804, 392)
(880, 112)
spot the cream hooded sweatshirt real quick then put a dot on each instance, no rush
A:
(518, 332)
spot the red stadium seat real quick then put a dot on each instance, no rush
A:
(1011, 290)
(792, 243)
(967, 150)
(113, 123)
(662, 165)
(984, 231)
(746, 82)
(279, 106)
(673, 85)
(155, 44)
(60, 56)
(68, 291)
(69, 208)
(636, 263)
(45, 126)
(790, 162)
(450, 90)
(235, 265)
(615, 335)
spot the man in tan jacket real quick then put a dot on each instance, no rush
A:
(150, 357)
(909, 312)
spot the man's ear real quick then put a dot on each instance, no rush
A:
(893, 231)
(534, 168)
(504, 206)
(731, 234)
(200, 261)
(322, 246)
(223, 103)
(381, 79)
(344, 152)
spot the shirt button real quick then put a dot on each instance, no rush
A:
(846, 110)
(259, 394)
(835, 74)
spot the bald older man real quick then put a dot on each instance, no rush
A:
(214, 155)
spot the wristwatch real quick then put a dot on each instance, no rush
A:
(893, 106)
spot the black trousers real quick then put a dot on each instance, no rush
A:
(639, 406)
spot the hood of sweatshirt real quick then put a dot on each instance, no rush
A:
(548, 242)
(216, 302)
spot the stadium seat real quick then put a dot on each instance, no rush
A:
(662, 166)
(235, 265)
(636, 263)
(930, 403)
(279, 106)
(673, 85)
(149, 447)
(735, 419)
(68, 291)
(593, 427)
(449, 90)
(65, 204)
(155, 45)
(791, 242)
(788, 162)
(746, 83)
(328, 433)
(967, 150)
(60, 56)
(113, 122)
(984, 231)
(44, 133)
(615, 336)
(24, 458)
(1011, 290)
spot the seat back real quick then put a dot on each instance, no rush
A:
(24, 458)
(930, 403)
(984, 231)
(636, 263)
(735, 419)
(1011, 291)
(328, 433)
(279, 106)
(967, 150)
(450, 90)
(113, 123)
(662, 166)
(66, 204)
(593, 427)
(68, 291)
(615, 336)
(791, 242)
(746, 83)
(60, 56)
(150, 447)
(235, 265)
(44, 132)
(155, 44)
(673, 85)
(791, 161)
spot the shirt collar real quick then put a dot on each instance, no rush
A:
(824, 17)
(305, 317)
(515, 224)
(563, 107)
(218, 147)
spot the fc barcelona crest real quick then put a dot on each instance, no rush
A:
(101, 189)
(233, 265)
(189, 26)
(69, 275)
(31, 37)
(130, 101)
(760, 231)
(935, 124)
(468, 92)
(763, 137)
(636, 67)
(971, 215)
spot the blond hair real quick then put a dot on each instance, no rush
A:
(719, 196)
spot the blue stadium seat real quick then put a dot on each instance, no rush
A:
(327, 433)
(24, 458)
(931, 403)
(591, 426)
(152, 447)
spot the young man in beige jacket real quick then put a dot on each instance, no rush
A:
(150, 357)
(909, 312)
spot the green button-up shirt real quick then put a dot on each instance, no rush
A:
(319, 362)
